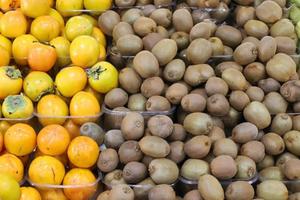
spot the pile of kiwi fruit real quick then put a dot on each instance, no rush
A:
(207, 102)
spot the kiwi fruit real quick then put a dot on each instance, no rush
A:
(163, 171)
(114, 121)
(198, 146)
(283, 158)
(150, 40)
(251, 39)
(142, 192)
(130, 151)
(160, 125)
(117, 97)
(216, 133)
(130, 80)
(296, 107)
(160, 3)
(113, 139)
(176, 92)
(244, 2)
(229, 35)
(201, 30)
(283, 27)
(131, 15)
(114, 178)
(290, 91)
(272, 189)
(137, 102)
(192, 169)
(144, 25)
(108, 20)
(192, 195)
(132, 126)
(225, 65)
(121, 191)
(216, 85)
(244, 132)
(256, 28)
(292, 169)
(177, 152)
(165, 50)
(292, 142)
(174, 70)
(129, 45)
(268, 161)
(228, 51)
(223, 167)
(158, 103)
(296, 122)
(221, 13)
(146, 64)
(104, 195)
(217, 46)
(239, 190)
(162, 17)
(152, 86)
(269, 85)
(193, 103)
(208, 3)
(225, 146)
(218, 105)
(258, 114)
(267, 48)
(245, 53)
(162, 192)
(254, 72)
(200, 91)
(246, 167)
(154, 146)
(254, 150)
(122, 29)
(178, 133)
(255, 93)
(122, 3)
(134, 172)
(198, 123)
(274, 144)
(163, 32)
(244, 14)
(210, 188)
(197, 74)
(108, 160)
(294, 196)
(285, 45)
(234, 79)
(200, 15)
(281, 67)
(182, 20)
(238, 100)
(181, 39)
(196, 46)
(262, 13)
(275, 103)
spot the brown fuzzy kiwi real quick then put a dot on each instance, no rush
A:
(134, 172)
(267, 48)
(114, 178)
(192, 169)
(163, 32)
(141, 193)
(178, 133)
(221, 13)
(130, 151)
(176, 92)
(269, 85)
(254, 72)
(246, 167)
(146, 64)
(281, 3)
(223, 167)
(196, 46)
(256, 28)
(129, 45)
(274, 144)
(192, 195)
(154, 146)
(147, 7)
(244, 2)
(281, 67)
(197, 74)
(296, 123)
(255, 93)
(283, 27)
(275, 103)
(217, 121)
(165, 50)
(225, 146)
(268, 161)
(239, 190)
(182, 20)
(121, 29)
(137, 102)
(232, 118)
(108, 20)
(150, 40)
(281, 123)
(283, 158)
(245, 53)
(272, 189)
(132, 126)
(113, 139)
(238, 100)
(216, 85)
(271, 173)
(108, 160)
(121, 191)
(285, 45)
(251, 39)
(210, 188)
(129, 80)
(294, 196)
(291, 90)
(174, 70)
(181, 39)
(244, 132)
(131, 15)
(201, 30)
(258, 114)
(228, 51)
(218, 105)
(200, 91)
(117, 97)
(158, 103)
(229, 35)
(122, 3)
(193, 103)
(198, 123)
(144, 25)
(104, 195)
(208, 3)
(292, 169)
(225, 65)
(234, 79)
(152, 86)
(199, 15)
(162, 17)
(160, 125)
(163, 171)
(216, 134)
(244, 14)
(263, 14)
(160, 3)
(217, 46)
(177, 152)
(162, 192)
(254, 150)
(197, 147)
(114, 121)
(292, 142)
